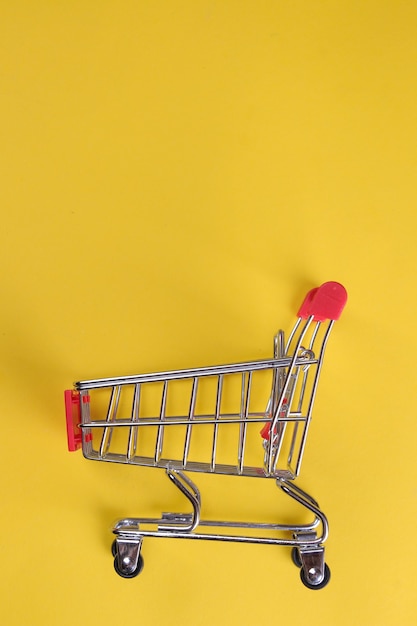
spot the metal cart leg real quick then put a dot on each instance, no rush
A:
(308, 551)
(314, 572)
(128, 561)
(183, 522)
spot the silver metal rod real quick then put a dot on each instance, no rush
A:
(133, 524)
(314, 335)
(133, 432)
(190, 419)
(302, 390)
(293, 442)
(241, 444)
(229, 538)
(160, 434)
(278, 541)
(111, 416)
(262, 526)
(191, 492)
(308, 502)
(244, 408)
(234, 368)
(216, 420)
(206, 419)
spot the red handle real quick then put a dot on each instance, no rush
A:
(73, 417)
(304, 310)
(324, 303)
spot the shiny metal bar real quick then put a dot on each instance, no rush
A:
(314, 335)
(244, 411)
(160, 434)
(189, 421)
(292, 445)
(216, 420)
(133, 432)
(227, 538)
(234, 368)
(111, 416)
(134, 524)
(227, 418)
(191, 492)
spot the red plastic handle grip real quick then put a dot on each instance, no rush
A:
(73, 418)
(304, 310)
(324, 303)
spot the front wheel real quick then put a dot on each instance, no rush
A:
(132, 574)
(122, 572)
(320, 585)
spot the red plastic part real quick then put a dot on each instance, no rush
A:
(304, 310)
(73, 417)
(324, 303)
(265, 431)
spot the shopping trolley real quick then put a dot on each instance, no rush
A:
(245, 419)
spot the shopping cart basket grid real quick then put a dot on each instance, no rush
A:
(246, 419)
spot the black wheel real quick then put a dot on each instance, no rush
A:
(133, 574)
(323, 583)
(121, 573)
(295, 555)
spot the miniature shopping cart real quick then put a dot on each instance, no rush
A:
(245, 419)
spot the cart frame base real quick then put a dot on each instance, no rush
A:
(305, 541)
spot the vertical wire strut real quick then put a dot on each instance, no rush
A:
(244, 412)
(133, 431)
(110, 417)
(216, 420)
(190, 419)
(160, 435)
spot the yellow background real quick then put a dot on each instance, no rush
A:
(175, 175)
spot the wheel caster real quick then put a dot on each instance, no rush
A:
(319, 585)
(132, 574)
(123, 572)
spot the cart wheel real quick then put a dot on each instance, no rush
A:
(121, 573)
(323, 583)
(133, 574)
(295, 555)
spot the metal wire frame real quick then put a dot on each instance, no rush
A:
(290, 402)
